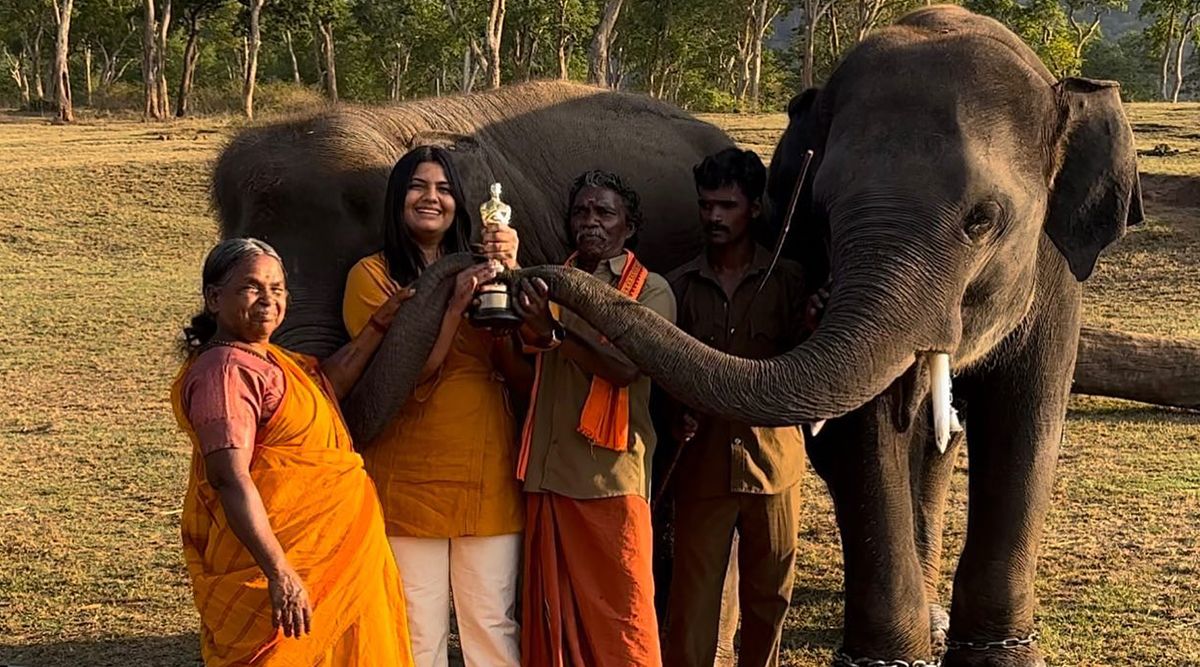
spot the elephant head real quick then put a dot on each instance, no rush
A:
(940, 166)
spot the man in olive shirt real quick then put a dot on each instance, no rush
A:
(588, 585)
(730, 476)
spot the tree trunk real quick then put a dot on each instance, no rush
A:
(810, 52)
(16, 70)
(318, 58)
(1184, 34)
(598, 54)
(149, 80)
(759, 34)
(564, 41)
(39, 85)
(287, 39)
(835, 38)
(191, 54)
(331, 90)
(495, 30)
(1136, 367)
(254, 41)
(1165, 77)
(466, 71)
(160, 66)
(62, 78)
(87, 73)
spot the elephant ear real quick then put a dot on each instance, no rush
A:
(1097, 192)
(806, 242)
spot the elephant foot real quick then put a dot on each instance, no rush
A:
(1018, 656)
(939, 626)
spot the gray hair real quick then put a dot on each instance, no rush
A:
(220, 261)
(598, 178)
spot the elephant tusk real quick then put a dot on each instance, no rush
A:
(945, 418)
(815, 427)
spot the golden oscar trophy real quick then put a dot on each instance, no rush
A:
(493, 309)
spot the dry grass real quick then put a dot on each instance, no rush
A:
(103, 226)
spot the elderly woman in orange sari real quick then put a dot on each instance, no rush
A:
(282, 530)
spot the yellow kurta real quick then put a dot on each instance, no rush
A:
(322, 508)
(445, 465)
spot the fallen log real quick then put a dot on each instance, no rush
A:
(1137, 367)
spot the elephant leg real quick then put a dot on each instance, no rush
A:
(865, 464)
(932, 473)
(1015, 427)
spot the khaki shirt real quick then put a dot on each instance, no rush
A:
(563, 461)
(727, 456)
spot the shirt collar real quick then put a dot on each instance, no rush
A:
(613, 265)
(759, 263)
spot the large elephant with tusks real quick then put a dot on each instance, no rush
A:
(958, 197)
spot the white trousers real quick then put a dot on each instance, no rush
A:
(482, 574)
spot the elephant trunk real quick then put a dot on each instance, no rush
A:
(866, 340)
(393, 372)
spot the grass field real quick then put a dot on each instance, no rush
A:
(102, 229)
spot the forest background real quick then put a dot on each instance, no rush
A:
(163, 58)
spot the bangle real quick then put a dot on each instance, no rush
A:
(377, 326)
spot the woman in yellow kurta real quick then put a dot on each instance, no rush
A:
(282, 531)
(444, 466)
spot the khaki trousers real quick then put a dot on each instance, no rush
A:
(766, 526)
(481, 573)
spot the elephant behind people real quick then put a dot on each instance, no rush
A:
(313, 186)
(958, 196)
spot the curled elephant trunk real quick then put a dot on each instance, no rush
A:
(848, 361)
(393, 373)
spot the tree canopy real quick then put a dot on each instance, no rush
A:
(705, 55)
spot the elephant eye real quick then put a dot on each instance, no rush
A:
(982, 219)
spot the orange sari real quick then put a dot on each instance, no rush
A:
(324, 512)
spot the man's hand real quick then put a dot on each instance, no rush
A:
(533, 305)
(500, 243)
(686, 427)
(815, 308)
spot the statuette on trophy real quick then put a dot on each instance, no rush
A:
(494, 306)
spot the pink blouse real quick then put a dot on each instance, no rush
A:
(228, 394)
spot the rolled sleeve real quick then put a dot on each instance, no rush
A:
(227, 395)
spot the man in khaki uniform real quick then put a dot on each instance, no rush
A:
(729, 476)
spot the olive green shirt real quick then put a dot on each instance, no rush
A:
(563, 461)
(727, 456)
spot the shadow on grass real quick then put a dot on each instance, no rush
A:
(172, 651)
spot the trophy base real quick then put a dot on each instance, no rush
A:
(495, 318)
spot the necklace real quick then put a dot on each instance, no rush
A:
(235, 345)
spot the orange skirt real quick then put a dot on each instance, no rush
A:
(589, 583)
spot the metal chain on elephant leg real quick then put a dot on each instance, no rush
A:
(997, 645)
(840, 659)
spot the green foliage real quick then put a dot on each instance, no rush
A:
(1130, 60)
(1042, 24)
(695, 53)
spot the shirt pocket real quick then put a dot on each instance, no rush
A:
(705, 325)
(768, 332)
